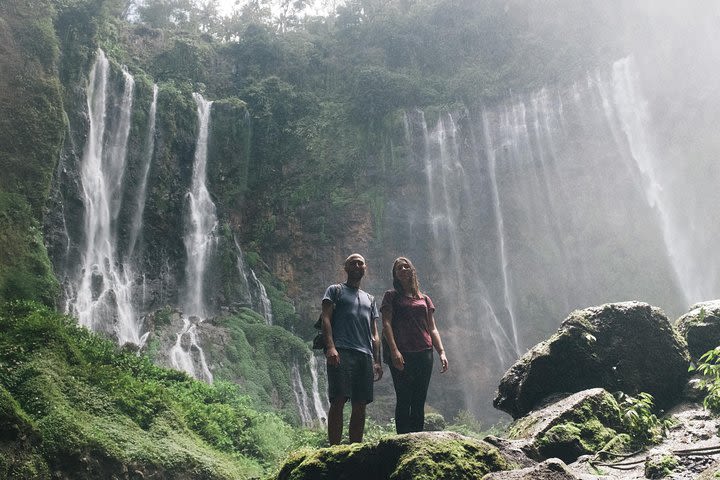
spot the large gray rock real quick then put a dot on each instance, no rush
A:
(627, 346)
(552, 469)
(580, 424)
(413, 456)
(701, 327)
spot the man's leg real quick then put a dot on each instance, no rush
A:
(335, 420)
(357, 422)
(362, 394)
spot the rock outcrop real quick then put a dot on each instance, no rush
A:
(580, 424)
(701, 327)
(416, 456)
(627, 346)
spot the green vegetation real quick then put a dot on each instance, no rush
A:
(259, 357)
(72, 395)
(709, 367)
(598, 425)
(640, 421)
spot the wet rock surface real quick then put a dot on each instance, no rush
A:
(628, 346)
(701, 327)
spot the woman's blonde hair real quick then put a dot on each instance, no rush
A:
(414, 284)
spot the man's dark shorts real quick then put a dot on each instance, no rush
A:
(353, 378)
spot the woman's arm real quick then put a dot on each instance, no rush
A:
(437, 342)
(396, 357)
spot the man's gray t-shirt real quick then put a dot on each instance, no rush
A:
(353, 312)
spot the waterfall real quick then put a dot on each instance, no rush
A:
(500, 336)
(254, 287)
(300, 396)
(137, 220)
(310, 406)
(185, 357)
(200, 238)
(318, 404)
(632, 112)
(547, 202)
(264, 302)
(102, 298)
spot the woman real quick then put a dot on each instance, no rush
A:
(410, 332)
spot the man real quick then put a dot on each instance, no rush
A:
(352, 349)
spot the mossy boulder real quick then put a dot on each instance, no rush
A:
(580, 424)
(416, 456)
(628, 346)
(661, 465)
(700, 327)
(551, 469)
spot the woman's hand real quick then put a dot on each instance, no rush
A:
(397, 360)
(443, 363)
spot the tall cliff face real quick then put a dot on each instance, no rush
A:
(515, 210)
(31, 132)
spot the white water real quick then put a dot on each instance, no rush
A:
(187, 355)
(256, 292)
(137, 220)
(318, 404)
(200, 240)
(633, 115)
(265, 306)
(102, 299)
(548, 202)
(301, 398)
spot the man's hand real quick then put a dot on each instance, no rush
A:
(333, 357)
(378, 370)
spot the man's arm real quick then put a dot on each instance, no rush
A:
(377, 357)
(331, 353)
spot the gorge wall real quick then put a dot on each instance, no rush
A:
(516, 209)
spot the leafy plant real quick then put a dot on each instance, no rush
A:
(640, 421)
(709, 366)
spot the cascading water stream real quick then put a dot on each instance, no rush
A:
(318, 404)
(137, 221)
(500, 337)
(265, 307)
(301, 398)
(633, 115)
(256, 291)
(102, 300)
(200, 240)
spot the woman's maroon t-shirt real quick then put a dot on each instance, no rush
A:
(409, 321)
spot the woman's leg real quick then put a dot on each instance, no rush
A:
(422, 363)
(403, 396)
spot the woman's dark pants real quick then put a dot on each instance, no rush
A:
(411, 386)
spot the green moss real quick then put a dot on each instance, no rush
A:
(661, 466)
(569, 440)
(406, 457)
(451, 460)
(25, 271)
